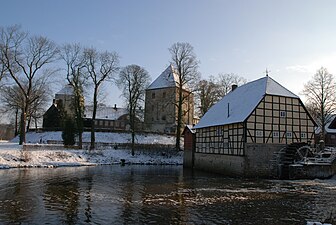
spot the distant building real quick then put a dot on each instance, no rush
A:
(52, 118)
(107, 118)
(160, 104)
(6, 132)
(240, 134)
(65, 98)
(63, 103)
(330, 135)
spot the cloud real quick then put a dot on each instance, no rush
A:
(327, 61)
(300, 68)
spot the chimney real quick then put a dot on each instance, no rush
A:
(115, 106)
(233, 87)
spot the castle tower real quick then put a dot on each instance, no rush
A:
(161, 103)
(65, 99)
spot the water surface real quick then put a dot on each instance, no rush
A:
(158, 195)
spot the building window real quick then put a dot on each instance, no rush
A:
(282, 114)
(275, 134)
(219, 131)
(163, 117)
(259, 133)
(303, 135)
(153, 95)
(164, 95)
(289, 134)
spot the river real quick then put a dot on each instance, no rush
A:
(158, 195)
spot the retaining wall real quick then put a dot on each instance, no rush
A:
(255, 163)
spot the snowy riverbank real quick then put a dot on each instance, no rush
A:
(42, 155)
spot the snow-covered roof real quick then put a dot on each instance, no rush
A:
(167, 78)
(329, 127)
(236, 106)
(190, 128)
(105, 112)
(66, 90)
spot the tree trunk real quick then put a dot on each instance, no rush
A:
(28, 123)
(16, 122)
(132, 116)
(80, 140)
(93, 138)
(35, 124)
(22, 128)
(179, 119)
(133, 140)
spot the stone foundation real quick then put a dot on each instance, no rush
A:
(257, 161)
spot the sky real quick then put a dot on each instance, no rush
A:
(292, 39)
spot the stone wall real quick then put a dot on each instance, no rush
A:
(258, 159)
(223, 164)
(255, 163)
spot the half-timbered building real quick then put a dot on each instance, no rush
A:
(240, 134)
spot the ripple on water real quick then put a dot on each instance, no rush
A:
(158, 195)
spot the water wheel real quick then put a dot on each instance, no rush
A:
(303, 152)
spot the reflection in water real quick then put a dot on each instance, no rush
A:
(61, 196)
(158, 195)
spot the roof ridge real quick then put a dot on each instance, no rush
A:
(237, 105)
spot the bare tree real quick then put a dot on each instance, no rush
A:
(321, 98)
(101, 66)
(208, 93)
(133, 81)
(37, 109)
(185, 62)
(13, 100)
(73, 56)
(22, 58)
(226, 80)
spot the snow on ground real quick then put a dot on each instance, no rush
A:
(103, 137)
(45, 155)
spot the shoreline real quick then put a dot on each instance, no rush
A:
(12, 156)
